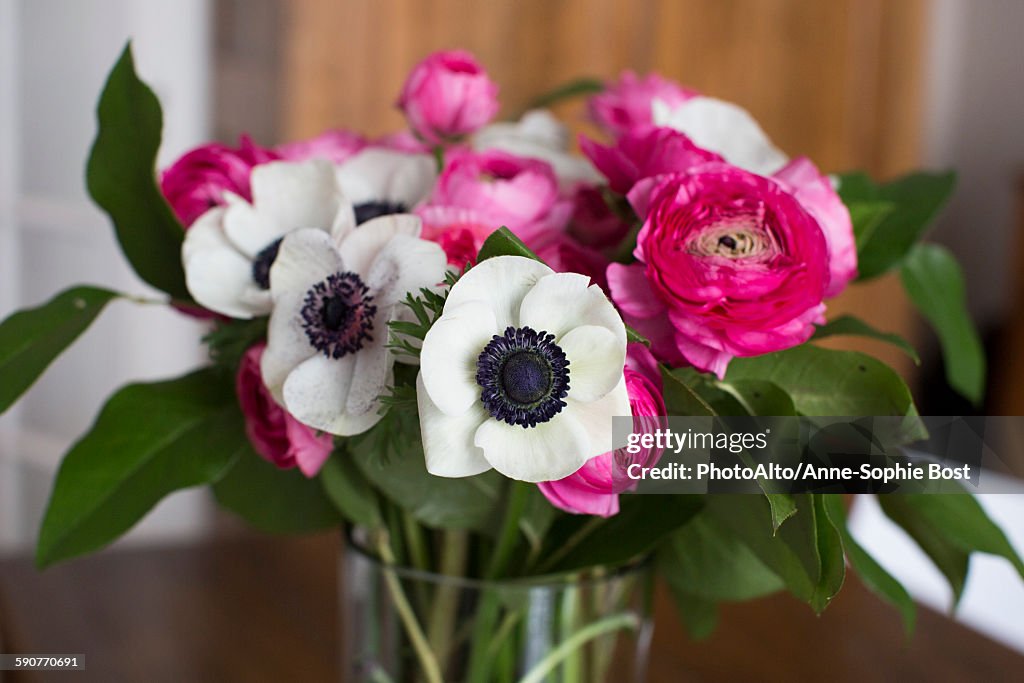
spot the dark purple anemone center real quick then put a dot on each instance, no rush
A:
(337, 315)
(523, 377)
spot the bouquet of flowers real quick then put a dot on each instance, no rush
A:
(424, 339)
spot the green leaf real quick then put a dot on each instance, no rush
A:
(349, 490)
(866, 217)
(935, 284)
(503, 242)
(31, 339)
(915, 200)
(705, 559)
(121, 179)
(804, 552)
(399, 472)
(681, 398)
(958, 520)
(572, 89)
(642, 522)
(848, 325)
(149, 440)
(759, 397)
(950, 559)
(875, 577)
(634, 337)
(827, 382)
(275, 500)
(699, 615)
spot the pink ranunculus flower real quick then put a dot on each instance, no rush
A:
(729, 264)
(815, 192)
(336, 146)
(594, 223)
(566, 255)
(594, 489)
(448, 95)
(643, 152)
(627, 103)
(495, 188)
(402, 141)
(198, 180)
(277, 436)
(460, 232)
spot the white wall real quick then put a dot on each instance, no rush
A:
(974, 122)
(55, 56)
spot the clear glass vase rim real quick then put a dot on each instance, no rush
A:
(555, 580)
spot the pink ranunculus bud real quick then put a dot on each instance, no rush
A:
(335, 146)
(275, 435)
(594, 489)
(448, 95)
(198, 180)
(626, 104)
(729, 264)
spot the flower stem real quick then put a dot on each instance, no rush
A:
(590, 527)
(442, 611)
(577, 641)
(412, 628)
(509, 536)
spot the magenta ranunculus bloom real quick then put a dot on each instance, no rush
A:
(594, 223)
(448, 95)
(492, 189)
(729, 264)
(336, 146)
(626, 103)
(277, 436)
(815, 192)
(594, 489)
(197, 181)
(566, 255)
(644, 152)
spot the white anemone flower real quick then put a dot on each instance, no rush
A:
(380, 181)
(522, 372)
(228, 251)
(327, 360)
(725, 128)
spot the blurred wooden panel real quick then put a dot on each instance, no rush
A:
(839, 81)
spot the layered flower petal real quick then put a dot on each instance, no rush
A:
(502, 283)
(525, 454)
(449, 355)
(448, 440)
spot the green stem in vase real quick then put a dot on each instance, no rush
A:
(454, 545)
(577, 641)
(509, 530)
(428, 662)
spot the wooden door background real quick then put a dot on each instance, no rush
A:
(839, 81)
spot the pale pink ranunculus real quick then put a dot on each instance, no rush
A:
(460, 232)
(335, 146)
(815, 192)
(594, 489)
(494, 189)
(402, 141)
(627, 103)
(448, 95)
(729, 264)
(643, 152)
(275, 435)
(198, 180)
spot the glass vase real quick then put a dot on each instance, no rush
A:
(402, 625)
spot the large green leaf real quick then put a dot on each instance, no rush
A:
(275, 500)
(949, 527)
(914, 199)
(848, 325)
(827, 382)
(805, 552)
(643, 521)
(149, 440)
(121, 178)
(31, 339)
(391, 457)
(866, 217)
(875, 577)
(681, 396)
(935, 284)
(349, 490)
